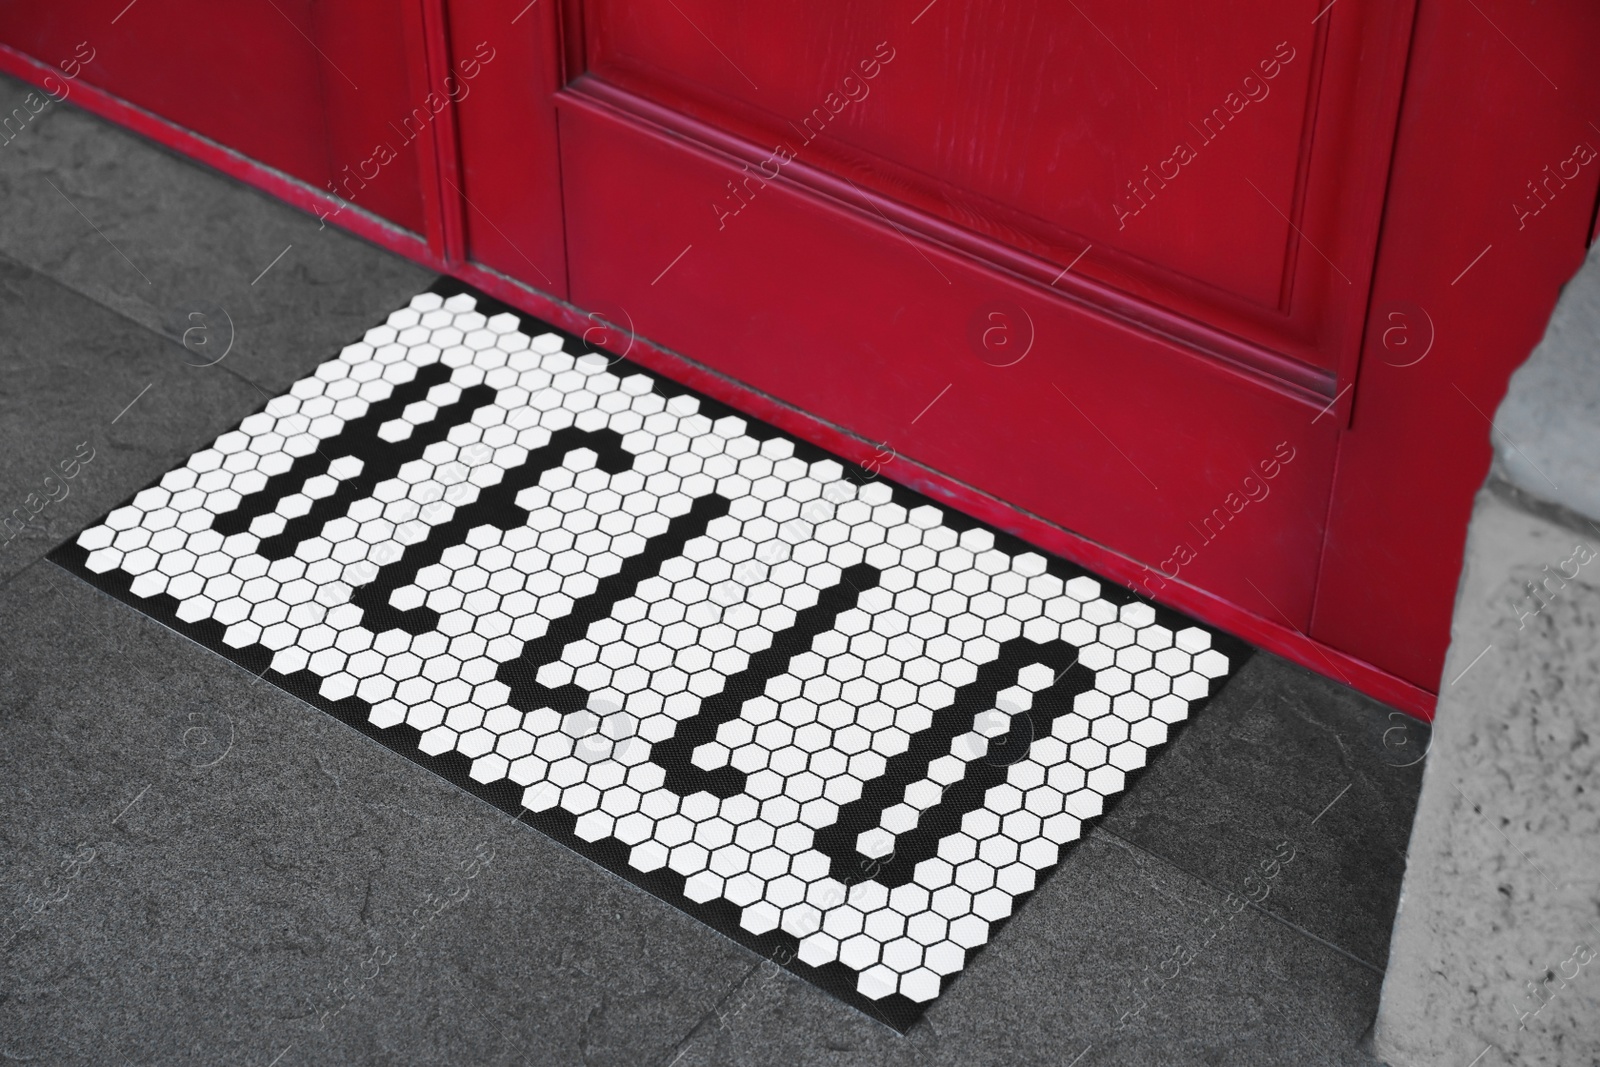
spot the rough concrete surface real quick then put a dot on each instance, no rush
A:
(1548, 430)
(1494, 953)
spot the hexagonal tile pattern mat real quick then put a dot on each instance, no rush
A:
(835, 721)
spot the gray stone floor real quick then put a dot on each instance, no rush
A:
(195, 868)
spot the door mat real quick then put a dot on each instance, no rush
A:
(847, 727)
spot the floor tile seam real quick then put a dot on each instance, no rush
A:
(1181, 869)
(8, 579)
(681, 1046)
(64, 284)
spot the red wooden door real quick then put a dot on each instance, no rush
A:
(1107, 275)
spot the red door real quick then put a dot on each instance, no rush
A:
(1107, 275)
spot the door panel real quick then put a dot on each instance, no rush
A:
(1203, 196)
(1050, 150)
(1120, 436)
